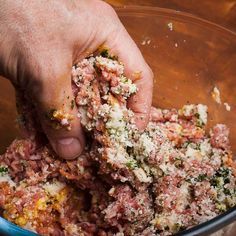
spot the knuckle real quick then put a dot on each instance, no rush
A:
(106, 9)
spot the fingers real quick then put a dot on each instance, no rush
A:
(58, 115)
(121, 44)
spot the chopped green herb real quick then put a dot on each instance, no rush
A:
(221, 207)
(227, 191)
(3, 170)
(185, 145)
(132, 164)
(221, 177)
(72, 104)
(223, 172)
(49, 114)
(201, 177)
(124, 79)
(197, 115)
(217, 182)
(177, 227)
(199, 123)
(105, 53)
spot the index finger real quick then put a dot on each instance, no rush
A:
(121, 44)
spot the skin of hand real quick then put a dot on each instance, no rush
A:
(41, 40)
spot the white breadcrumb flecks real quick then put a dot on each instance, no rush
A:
(146, 41)
(54, 188)
(173, 153)
(187, 110)
(170, 176)
(198, 111)
(170, 26)
(142, 176)
(216, 95)
(202, 111)
(6, 178)
(227, 106)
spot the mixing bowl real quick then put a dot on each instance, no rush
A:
(189, 57)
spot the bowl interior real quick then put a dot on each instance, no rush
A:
(189, 57)
(8, 115)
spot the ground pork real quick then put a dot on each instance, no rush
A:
(167, 178)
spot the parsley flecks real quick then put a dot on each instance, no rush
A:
(221, 177)
(197, 115)
(105, 53)
(177, 227)
(221, 207)
(201, 177)
(72, 104)
(132, 164)
(3, 169)
(49, 114)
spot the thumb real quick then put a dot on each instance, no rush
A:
(58, 115)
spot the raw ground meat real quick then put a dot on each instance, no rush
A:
(169, 177)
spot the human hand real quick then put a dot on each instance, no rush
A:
(41, 40)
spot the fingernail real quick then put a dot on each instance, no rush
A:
(68, 148)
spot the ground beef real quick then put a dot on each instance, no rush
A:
(169, 177)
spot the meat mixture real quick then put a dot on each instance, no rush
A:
(169, 177)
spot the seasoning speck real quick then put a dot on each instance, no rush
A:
(227, 106)
(216, 95)
(170, 26)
